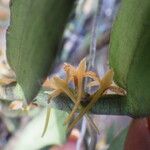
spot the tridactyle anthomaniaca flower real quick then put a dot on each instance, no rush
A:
(77, 94)
(77, 75)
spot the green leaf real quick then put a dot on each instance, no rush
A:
(130, 55)
(107, 104)
(30, 137)
(32, 39)
(118, 142)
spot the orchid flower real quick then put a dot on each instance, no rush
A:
(77, 75)
(105, 82)
(77, 94)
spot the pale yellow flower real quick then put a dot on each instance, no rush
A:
(105, 82)
(77, 75)
(77, 94)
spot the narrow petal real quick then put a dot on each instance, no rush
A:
(46, 83)
(68, 67)
(64, 87)
(49, 83)
(107, 79)
(93, 83)
(117, 90)
(6, 81)
(70, 72)
(80, 75)
(82, 65)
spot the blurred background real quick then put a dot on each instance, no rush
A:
(22, 131)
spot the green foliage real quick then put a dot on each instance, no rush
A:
(130, 55)
(32, 39)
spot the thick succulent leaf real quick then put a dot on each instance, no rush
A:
(32, 39)
(131, 21)
(107, 104)
(130, 55)
(30, 137)
(139, 73)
